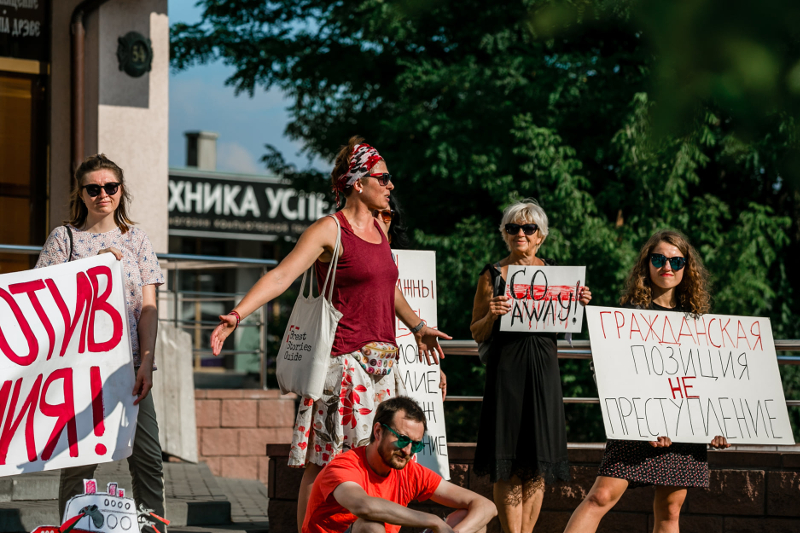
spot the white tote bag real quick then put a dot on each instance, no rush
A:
(305, 351)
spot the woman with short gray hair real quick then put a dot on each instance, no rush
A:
(522, 441)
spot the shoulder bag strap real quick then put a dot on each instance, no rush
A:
(497, 278)
(69, 235)
(334, 262)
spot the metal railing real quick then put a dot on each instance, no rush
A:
(176, 301)
(173, 264)
(582, 349)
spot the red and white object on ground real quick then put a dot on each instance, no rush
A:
(103, 512)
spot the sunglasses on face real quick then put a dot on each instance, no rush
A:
(385, 215)
(660, 260)
(93, 189)
(528, 229)
(403, 441)
(383, 179)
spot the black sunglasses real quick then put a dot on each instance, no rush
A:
(528, 229)
(93, 189)
(383, 179)
(659, 260)
(404, 440)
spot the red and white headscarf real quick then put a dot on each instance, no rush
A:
(364, 158)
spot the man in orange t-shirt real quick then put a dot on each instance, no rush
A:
(368, 489)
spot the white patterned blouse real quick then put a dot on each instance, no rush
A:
(139, 264)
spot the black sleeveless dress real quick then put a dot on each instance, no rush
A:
(680, 465)
(522, 428)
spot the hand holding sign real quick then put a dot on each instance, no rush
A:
(584, 296)
(499, 306)
(112, 250)
(543, 299)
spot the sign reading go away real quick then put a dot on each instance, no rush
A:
(66, 371)
(690, 379)
(417, 281)
(544, 299)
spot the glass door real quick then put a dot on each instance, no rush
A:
(23, 167)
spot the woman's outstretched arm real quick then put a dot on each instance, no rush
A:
(316, 242)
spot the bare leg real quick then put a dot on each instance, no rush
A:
(306, 484)
(532, 495)
(604, 494)
(507, 495)
(667, 509)
(518, 504)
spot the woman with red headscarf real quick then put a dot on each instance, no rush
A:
(364, 350)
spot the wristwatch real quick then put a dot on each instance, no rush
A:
(418, 327)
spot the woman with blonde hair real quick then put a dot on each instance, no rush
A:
(667, 276)
(522, 440)
(364, 350)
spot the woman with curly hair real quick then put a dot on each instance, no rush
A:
(668, 276)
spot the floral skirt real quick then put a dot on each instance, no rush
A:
(342, 418)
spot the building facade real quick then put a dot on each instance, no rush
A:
(76, 79)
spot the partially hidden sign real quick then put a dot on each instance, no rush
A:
(417, 282)
(687, 378)
(544, 299)
(66, 370)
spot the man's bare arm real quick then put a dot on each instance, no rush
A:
(354, 498)
(479, 510)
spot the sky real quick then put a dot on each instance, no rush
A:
(200, 100)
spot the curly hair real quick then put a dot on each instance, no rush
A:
(693, 291)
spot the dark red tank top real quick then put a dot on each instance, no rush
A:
(364, 291)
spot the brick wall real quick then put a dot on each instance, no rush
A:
(752, 490)
(235, 426)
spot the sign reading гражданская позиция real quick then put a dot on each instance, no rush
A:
(687, 378)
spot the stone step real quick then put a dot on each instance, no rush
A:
(193, 497)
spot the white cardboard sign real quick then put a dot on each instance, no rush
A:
(417, 282)
(544, 299)
(66, 370)
(689, 379)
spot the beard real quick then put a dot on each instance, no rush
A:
(393, 457)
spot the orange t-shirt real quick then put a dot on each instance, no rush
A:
(325, 515)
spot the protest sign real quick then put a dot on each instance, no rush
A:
(417, 282)
(544, 299)
(66, 370)
(690, 379)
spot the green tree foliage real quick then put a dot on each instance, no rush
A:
(620, 118)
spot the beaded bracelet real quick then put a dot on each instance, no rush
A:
(238, 319)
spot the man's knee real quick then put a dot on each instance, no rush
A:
(367, 526)
(454, 518)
